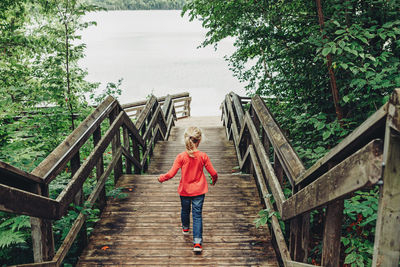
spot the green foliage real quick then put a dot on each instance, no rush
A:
(139, 4)
(282, 52)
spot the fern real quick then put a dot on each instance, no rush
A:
(16, 223)
(11, 233)
(8, 238)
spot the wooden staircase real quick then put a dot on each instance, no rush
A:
(144, 228)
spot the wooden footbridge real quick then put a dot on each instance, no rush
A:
(253, 158)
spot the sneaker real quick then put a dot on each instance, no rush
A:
(197, 248)
(185, 231)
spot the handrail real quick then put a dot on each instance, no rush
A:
(28, 193)
(138, 107)
(355, 163)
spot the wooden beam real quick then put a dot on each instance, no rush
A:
(361, 169)
(238, 107)
(18, 201)
(14, 177)
(79, 222)
(289, 159)
(387, 234)
(133, 131)
(130, 158)
(265, 163)
(159, 99)
(370, 129)
(51, 166)
(297, 264)
(280, 240)
(102, 199)
(78, 179)
(141, 120)
(332, 234)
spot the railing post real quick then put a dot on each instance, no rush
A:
(100, 169)
(42, 232)
(79, 201)
(127, 146)
(115, 144)
(387, 234)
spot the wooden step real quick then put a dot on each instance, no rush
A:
(144, 229)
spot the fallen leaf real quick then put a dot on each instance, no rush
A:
(105, 248)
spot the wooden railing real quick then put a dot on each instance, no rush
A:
(28, 193)
(369, 156)
(181, 102)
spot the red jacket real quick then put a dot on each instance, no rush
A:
(193, 181)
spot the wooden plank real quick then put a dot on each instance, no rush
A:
(289, 159)
(133, 131)
(76, 182)
(42, 232)
(115, 144)
(159, 99)
(265, 163)
(370, 129)
(297, 264)
(361, 169)
(167, 106)
(20, 202)
(387, 233)
(141, 120)
(130, 158)
(394, 110)
(332, 234)
(14, 177)
(127, 148)
(238, 108)
(280, 240)
(58, 158)
(80, 221)
(102, 199)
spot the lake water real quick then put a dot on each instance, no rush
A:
(156, 52)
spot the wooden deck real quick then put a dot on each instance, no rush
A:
(144, 228)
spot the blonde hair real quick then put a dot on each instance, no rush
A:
(192, 138)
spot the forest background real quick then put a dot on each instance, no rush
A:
(325, 67)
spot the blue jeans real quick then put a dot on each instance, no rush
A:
(197, 209)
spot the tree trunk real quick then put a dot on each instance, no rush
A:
(335, 91)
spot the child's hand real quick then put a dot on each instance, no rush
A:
(214, 180)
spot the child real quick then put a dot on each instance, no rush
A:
(193, 183)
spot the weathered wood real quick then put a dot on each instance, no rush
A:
(58, 158)
(20, 202)
(14, 177)
(80, 221)
(159, 99)
(264, 161)
(127, 147)
(141, 120)
(133, 132)
(297, 264)
(238, 108)
(79, 200)
(370, 129)
(289, 159)
(387, 234)
(130, 158)
(42, 232)
(332, 233)
(76, 182)
(99, 169)
(361, 169)
(146, 225)
(393, 120)
(280, 240)
(167, 106)
(115, 144)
